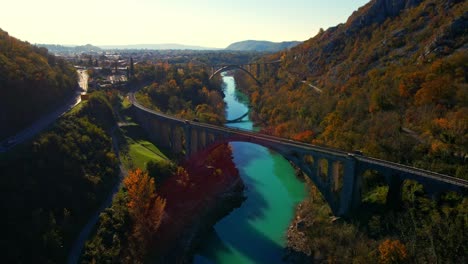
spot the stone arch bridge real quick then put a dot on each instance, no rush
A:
(337, 174)
(252, 69)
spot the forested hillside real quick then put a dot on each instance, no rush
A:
(184, 91)
(31, 82)
(50, 187)
(391, 81)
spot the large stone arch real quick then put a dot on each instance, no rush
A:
(336, 189)
(234, 67)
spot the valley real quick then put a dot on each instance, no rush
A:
(350, 146)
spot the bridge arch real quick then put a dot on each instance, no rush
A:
(324, 173)
(234, 67)
(238, 119)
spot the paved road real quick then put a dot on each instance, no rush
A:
(49, 118)
(318, 90)
(83, 80)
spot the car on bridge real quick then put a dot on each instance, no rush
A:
(358, 152)
(355, 152)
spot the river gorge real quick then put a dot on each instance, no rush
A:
(256, 231)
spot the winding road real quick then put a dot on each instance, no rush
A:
(49, 118)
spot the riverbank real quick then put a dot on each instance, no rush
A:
(210, 189)
(220, 206)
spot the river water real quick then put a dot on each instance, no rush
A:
(254, 232)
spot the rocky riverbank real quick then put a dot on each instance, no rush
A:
(209, 190)
(215, 209)
(297, 249)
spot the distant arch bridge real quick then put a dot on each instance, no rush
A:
(251, 69)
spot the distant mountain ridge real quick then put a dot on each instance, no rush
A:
(92, 48)
(260, 45)
(165, 46)
(69, 49)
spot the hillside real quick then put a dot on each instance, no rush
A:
(391, 81)
(31, 83)
(54, 184)
(263, 46)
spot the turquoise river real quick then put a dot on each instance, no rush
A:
(256, 231)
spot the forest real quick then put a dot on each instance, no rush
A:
(32, 82)
(393, 86)
(52, 185)
(181, 90)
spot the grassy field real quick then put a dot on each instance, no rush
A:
(137, 150)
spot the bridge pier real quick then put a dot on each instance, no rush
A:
(395, 183)
(193, 141)
(210, 139)
(188, 140)
(176, 139)
(202, 139)
(166, 135)
(350, 197)
(154, 125)
(330, 171)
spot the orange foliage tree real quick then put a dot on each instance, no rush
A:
(392, 251)
(145, 208)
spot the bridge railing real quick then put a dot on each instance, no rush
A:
(413, 170)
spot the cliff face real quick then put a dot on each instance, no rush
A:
(377, 11)
(411, 28)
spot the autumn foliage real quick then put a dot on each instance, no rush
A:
(396, 90)
(146, 209)
(32, 81)
(392, 251)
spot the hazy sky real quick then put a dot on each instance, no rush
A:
(206, 23)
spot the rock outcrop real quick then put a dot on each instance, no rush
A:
(377, 11)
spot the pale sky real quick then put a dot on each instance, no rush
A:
(207, 23)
